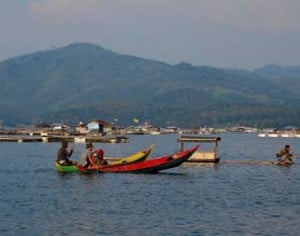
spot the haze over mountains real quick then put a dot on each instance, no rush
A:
(82, 81)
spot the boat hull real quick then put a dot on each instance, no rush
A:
(148, 166)
(283, 163)
(137, 157)
(66, 168)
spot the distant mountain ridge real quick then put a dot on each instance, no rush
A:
(83, 81)
(277, 71)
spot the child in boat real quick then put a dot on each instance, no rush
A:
(63, 155)
(100, 157)
(285, 156)
(97, 158)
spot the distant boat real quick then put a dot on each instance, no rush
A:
(154, 132)
(278, 135)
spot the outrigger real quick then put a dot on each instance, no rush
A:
(201, 156)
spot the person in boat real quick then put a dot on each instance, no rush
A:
(63, 155)
(86, 155)
(90, 157)
(97, 158)
(100, 157)
(284, 156)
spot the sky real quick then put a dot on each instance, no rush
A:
(243, 34)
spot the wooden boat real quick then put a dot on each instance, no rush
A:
(286, 160)
(147, 166)
(285, 163)
(113, 161)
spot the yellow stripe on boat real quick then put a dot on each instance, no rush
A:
(139, 156)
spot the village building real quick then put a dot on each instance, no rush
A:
(94, 126)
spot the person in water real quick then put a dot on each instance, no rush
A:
(63, 155)
(285, 155)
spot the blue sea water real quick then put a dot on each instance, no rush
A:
(192, 199)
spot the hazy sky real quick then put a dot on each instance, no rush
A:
(221, 33)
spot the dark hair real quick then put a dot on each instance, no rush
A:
(287, 146)
(64, 144)
(88, 145)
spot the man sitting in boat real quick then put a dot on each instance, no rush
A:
(63, 155)
(284, 156)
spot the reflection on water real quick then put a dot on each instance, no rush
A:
(193, 199)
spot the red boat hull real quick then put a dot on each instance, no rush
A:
(150, 166)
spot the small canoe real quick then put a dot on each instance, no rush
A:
(148, 166)
(136, 157)
(285, 163)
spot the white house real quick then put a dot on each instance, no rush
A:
(99, 126)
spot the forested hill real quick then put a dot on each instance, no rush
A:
(82, 81)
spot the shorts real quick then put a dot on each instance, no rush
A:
(64, 162)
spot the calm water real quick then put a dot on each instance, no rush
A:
(223, 199)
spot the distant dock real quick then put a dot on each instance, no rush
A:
(60, 138)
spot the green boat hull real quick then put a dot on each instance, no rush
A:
(66, 169)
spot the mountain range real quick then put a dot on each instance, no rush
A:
(83, 81)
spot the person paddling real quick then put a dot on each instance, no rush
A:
(63, 155)
(284, 156)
